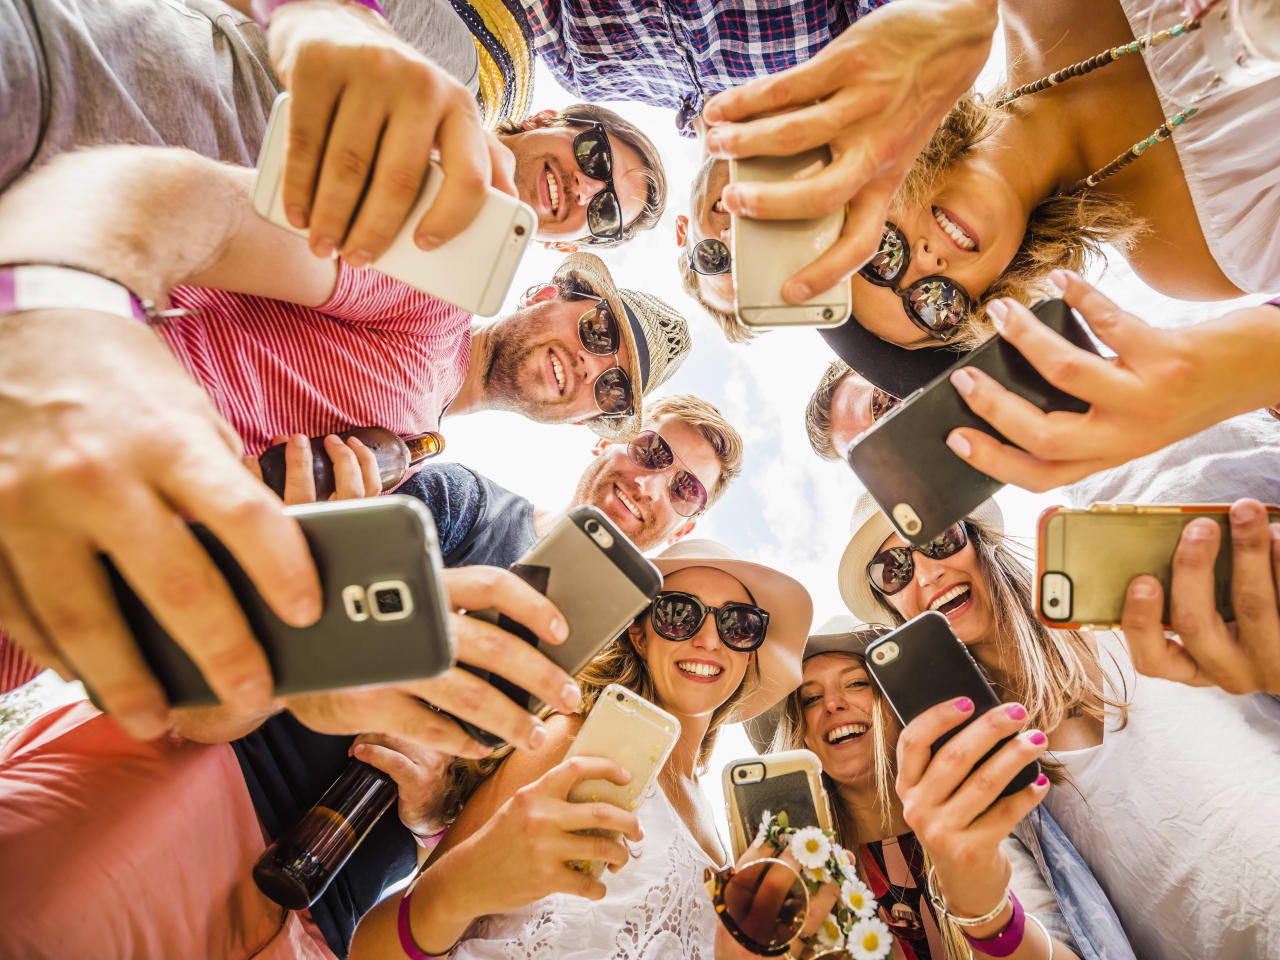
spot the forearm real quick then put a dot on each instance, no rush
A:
(1243, 349)
(1034, 946)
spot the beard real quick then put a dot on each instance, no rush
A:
(593, 489)
(513, 376)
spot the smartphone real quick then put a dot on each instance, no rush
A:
(472, 271)
(384, 618)
(790, 780)
(766, 253)
(922, 664)
(625, 727)
(599, 581)
(1086, 559)
(904, 460)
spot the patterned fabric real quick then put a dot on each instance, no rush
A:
(504, 46)
(16, 668)
(679, 53)
(894, 870)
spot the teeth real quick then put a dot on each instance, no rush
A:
(956, 591)
(700, 669)
(626, 502)
(718, 207)
(553, 191)
(952, 230)
(558, 370)
(845, 730)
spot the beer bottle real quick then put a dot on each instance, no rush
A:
(395, 456)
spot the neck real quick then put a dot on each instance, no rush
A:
(1023, 132)
(859, 800)
(683, 762)
(544, 520)
(471, 396)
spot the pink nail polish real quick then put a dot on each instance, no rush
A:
(1036, 738)
(1016, 711)
(964, 704)
(1041, 780)
(958, 445)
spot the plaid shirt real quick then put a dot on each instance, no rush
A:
(679, 53)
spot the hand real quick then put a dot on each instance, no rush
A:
(957, 815)
(355, 469)
(419, 775)
(107, 446)
(874, 95)
(1240, 657)
(399, 710)
(1163, 385)
(367, 111)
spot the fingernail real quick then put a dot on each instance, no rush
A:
(958, 444)
(1275, 532)
(560, 629)
(796, 291)
(359, 750)
(1036, 738)
(255, 691)
(325, 248)
(356, 442)
(298, 441)
(332, 438)
(1041, 780)
(1016, 711)
(1200, 531)
(964, 704)
(1244, 511)
(359, 259)
(427, 241)
(997, 311)
(296, 216)
(1143, 589)
(1059, 279)
(571, 696)
(963, 381)
(538, 737)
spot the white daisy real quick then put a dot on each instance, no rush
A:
(764, 828)
(855, 895)
(816, 874)
(869, 940)
(843, 860)
(810, 847)
(828, 935)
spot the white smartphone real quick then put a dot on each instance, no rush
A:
(624, 727)
(766, 253)
(472, 271)
(788, 781)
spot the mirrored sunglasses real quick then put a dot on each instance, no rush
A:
(650, 452)
(936, 304)
(678, 616)
(891, 570)
(595, 158)
(599, 333)
(710, 257)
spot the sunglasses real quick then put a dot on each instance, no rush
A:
(595, 158)
(891, 570)
(599, 333)
(678, 616)
(764, 906)
(881, 403)
(936, 304)
(710, 257)
(650, 452)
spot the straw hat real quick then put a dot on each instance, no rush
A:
(790, 615)
(655, 334)
(870, 529)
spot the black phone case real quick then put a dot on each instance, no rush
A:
(353, 542)
(933, 667)
(904, 461)
(565, 566)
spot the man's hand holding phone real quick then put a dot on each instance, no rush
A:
(1241, 657)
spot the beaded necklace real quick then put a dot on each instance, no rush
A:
(1161, 133)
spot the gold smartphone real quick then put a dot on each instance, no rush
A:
(1086, 559)
(790, 781)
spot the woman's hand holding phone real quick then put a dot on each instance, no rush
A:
(959, 816)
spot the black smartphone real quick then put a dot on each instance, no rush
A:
(904, 461)
(384, 617)
(599, 581)
(922, 664)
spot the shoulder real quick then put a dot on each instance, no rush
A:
(454, 495)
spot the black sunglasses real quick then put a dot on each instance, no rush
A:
(595, 158)
(891, 570)
(936, 304)
(881, 403)
(650, 452)
(710, 257)
(678, 616)
(598, 331)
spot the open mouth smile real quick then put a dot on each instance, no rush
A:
(628, 503)
(956, 232)
(701, 671)
(952, 600)
(846, 733)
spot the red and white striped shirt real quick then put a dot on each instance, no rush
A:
(376, 353)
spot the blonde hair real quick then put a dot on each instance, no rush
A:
(725, 441)
(817, 415)
(734, 330)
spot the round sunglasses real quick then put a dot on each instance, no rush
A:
(710, 257)
(764, 906)
(650, 452)
(678, 616)
(936, 304)
(599, 334)
(891, 570)
(595, 158)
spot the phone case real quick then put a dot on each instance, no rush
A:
(640, 736)
(359, 547)
(922, 664)
(904, 461)
(597, 579)
(1086, 559)
(472, 271)
(768, 252)
(790, 780)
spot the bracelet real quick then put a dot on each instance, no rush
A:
(1045, 930)
(262, 9)
(1007, 940)
(407, 943)
(941, 905)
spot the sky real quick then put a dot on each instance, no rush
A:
(789, 509)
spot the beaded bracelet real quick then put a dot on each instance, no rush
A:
(941, 905)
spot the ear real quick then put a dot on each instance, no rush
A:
(682, 532)
(600, 447)
(540, 294)
(682, 230)
(540, 119)
(635, 633)
(560, 247)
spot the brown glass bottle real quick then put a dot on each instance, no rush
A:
(395, 455)
(297, 868)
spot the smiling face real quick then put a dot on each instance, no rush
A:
(693, 677)
(711, 220)
(549, 179)
(837, 704)
(954, 586)
(638, 501)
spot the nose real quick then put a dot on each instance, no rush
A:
(591, 365)
(928, 571)
(651, 485)
(707, 638)
(833, 701)
(926, 260)
(584, 188)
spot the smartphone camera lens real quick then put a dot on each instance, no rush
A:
(1054, 601)
(390, 600)
(621, 696)
(591, 526)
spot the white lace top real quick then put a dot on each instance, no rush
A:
(656, 908)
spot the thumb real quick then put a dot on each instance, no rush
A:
(503, 163)
(1120, 330)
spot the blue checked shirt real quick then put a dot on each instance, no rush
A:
(679, 53)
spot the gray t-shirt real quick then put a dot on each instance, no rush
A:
(189, 73)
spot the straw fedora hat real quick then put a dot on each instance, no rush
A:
(656, 336)
(870, 529)
(790, 615)
(839, 634)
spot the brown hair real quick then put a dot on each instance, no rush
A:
(716, 430)
(655, 175)
(734, 330)
(817, 415)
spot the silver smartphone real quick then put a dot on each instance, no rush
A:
(766, 253)
(472, 271)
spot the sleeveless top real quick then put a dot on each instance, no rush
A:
(656, 907)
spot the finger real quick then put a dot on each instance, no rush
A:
(485, 645)
(252, 465)
(464, 158)
(394, 764)
(793, 87)
(576, 846)
(1253, 592)
(956, 759)
(568, 773)
(369, 469)
(1192, 609)
(422, 756)
(469, 698)
(502, 163)
(821, 905)
(348, 478)
(1049, 436)
(1124, 333)
(1153, 653)
(1008, 464)
(998, 822)
(983, 786)
(815, 194)
(19, 627)
(299, 470)
(479, 587)
(783, 134)
(1075, 371)
(598, 815)
(858, 241)
(919, 735)
(577, 883)
(398, 175)
(344, 172)
(310, 112)
(403, 716)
